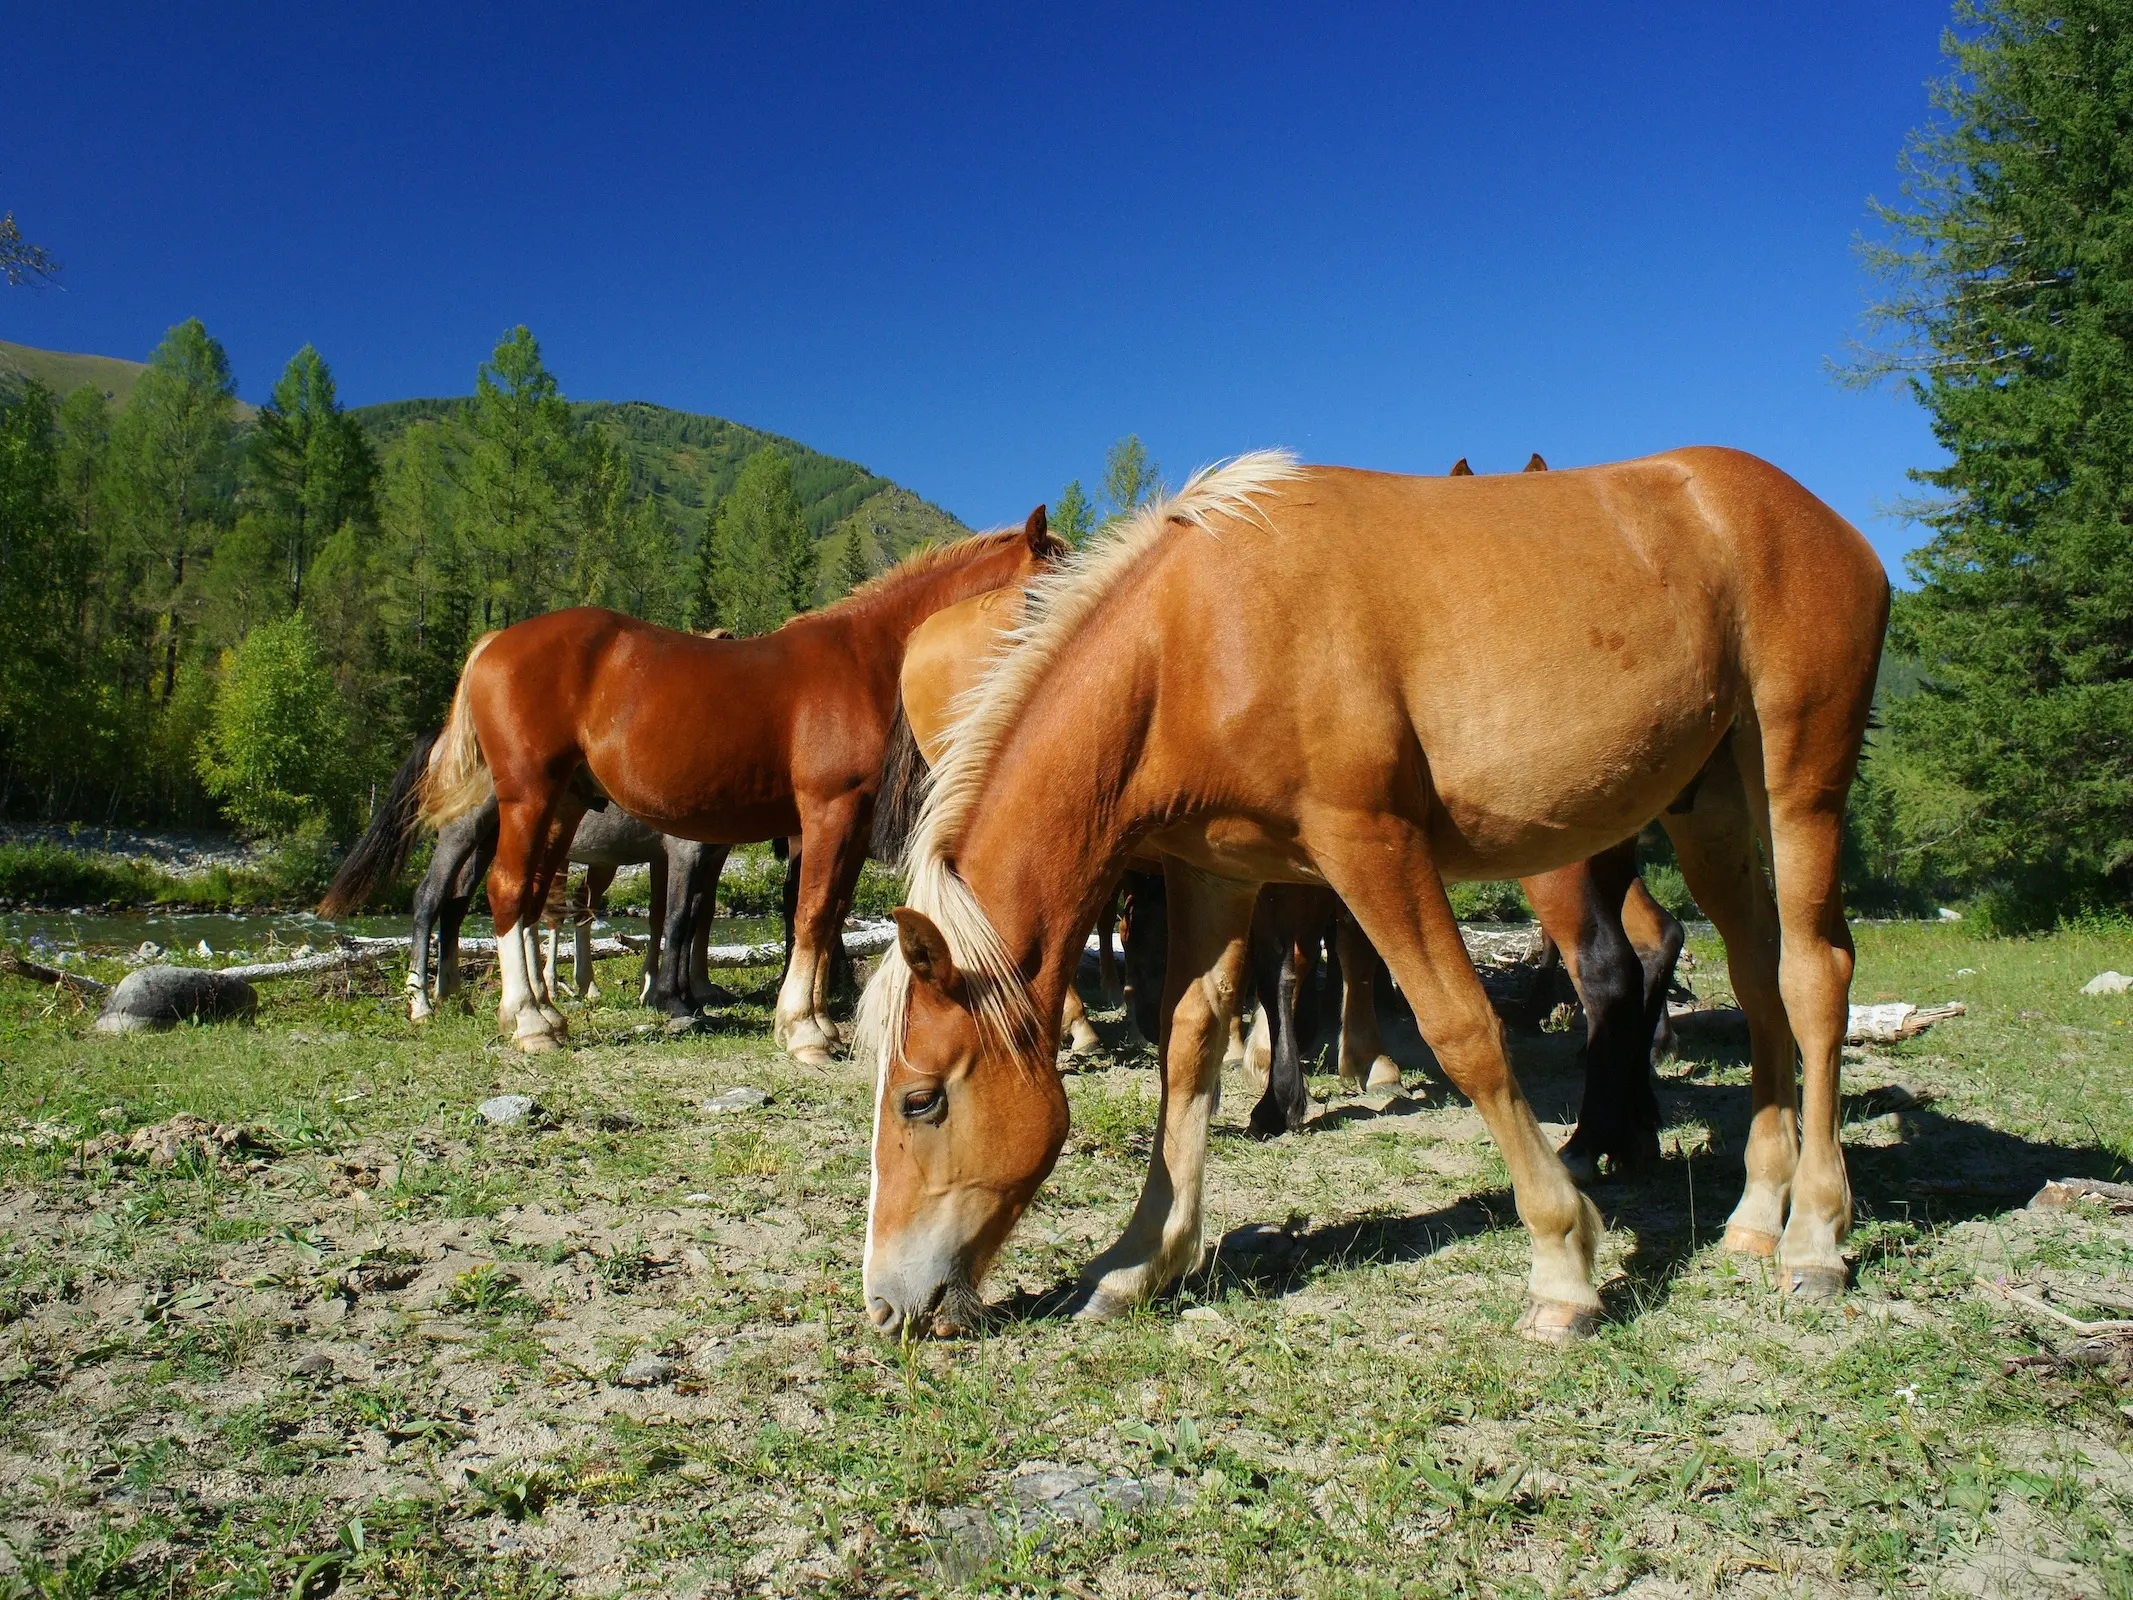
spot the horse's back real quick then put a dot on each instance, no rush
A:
(1551, 645)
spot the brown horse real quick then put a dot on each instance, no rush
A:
(718, 740)
(1368, 719)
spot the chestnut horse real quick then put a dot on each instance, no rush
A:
(720, 740)
(1367, 719)
(1620, 976)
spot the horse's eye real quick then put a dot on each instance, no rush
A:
(922, 1105)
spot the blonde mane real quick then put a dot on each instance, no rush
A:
(1060, 603)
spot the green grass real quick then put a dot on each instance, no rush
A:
(1354, 1418)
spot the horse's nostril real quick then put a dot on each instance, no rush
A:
(881, 1314)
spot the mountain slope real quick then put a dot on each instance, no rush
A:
(683, 459)
(687, 461)
(63, 372)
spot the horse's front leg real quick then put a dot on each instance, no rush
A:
(592, 900)
(834, 835)
(1210, 925)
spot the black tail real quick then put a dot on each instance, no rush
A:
(903, 787)
(383, 850)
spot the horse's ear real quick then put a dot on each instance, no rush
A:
(1535, 464)
(1460, 469)
(925, 951)
(1038, 532)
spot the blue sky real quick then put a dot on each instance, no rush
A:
(971, 247)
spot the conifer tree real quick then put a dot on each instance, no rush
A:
(310, 470)
(1074, 518)
(852, 567)
(759, 547)
(519, 464)
(2010, 315)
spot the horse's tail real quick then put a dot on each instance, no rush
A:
(382, 851)
(458, 779)
(903, 787)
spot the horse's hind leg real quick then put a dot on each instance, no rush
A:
(1108, 974)
(1809, 772)
(1285, 1104)
(1580, 907)
(1715, 840)
(1362, 1050)
(1658, 939)
(1074, 1023)
(532, 846)
(1381, 866)
(834, 849)
(592, 900)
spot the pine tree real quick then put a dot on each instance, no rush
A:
(427, 600)
(760, 548)
(2011, 317)
(1074, 518)
(172, 444)
(519, 464)
(852, 567)
(310, 470)
(1131, 480)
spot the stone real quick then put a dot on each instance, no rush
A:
(149, 951)
(508, 1110)
(2108, 983)
(313, 1366)
(647, 1372)
(742, 1099)
(154, 998)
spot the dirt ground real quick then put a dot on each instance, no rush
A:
(280, 1313)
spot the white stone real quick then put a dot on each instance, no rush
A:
(507, 1110)
(2108, 983)
(741, 1099)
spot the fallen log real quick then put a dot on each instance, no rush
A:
(869, 940)
(74, 983)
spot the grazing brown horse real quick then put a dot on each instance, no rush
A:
(720, 740)
(1423, 679)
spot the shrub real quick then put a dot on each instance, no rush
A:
(277, 749)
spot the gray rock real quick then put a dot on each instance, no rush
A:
(508, 1110)
(742, 1099)
(163, 997)
(313, 1366)
(2108, 983)
(647, 1372)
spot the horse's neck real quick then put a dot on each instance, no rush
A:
(1057, 817)
(896, 612)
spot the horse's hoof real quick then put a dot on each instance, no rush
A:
(1556, 1322)
(1810, 1283)
(419, 1013)
(1384, 1074)
(537, 1044)
(1081, 1039)
(1745, 1241)
(1094, 1305)
(1582, 1164)
(811, 1055)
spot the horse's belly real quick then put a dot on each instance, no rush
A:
(1580, 778)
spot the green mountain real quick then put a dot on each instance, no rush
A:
(687, 461)
(682, 459)
(63, 373)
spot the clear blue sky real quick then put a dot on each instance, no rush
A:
(971, 247)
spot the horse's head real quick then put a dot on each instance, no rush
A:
(968, 1120)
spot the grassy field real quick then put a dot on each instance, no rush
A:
(367, 1346)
